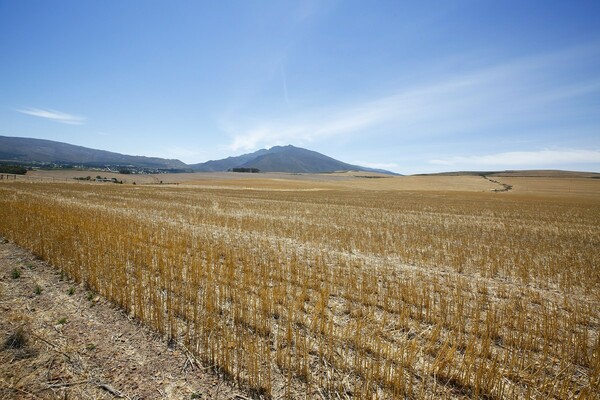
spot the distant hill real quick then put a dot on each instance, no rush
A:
(547, 173)
(532, 173)
(283, 159)
(27, 150)
(226, 163)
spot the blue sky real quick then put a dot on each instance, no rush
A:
(410, 86)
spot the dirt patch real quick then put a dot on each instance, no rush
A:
(58, 340)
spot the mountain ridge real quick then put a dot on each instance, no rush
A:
(36, 152)
(521, 173)
(225, 164)
(24, 150)
(288, 158)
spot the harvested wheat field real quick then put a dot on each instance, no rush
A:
(62, 341)
(326, 287)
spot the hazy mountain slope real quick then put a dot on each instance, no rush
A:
(276, 159)
(294, 159)
(226, 163)
(283, 159)
(48, 151)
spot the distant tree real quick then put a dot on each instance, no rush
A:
(124, 171)
(13, 169)
(242, 169)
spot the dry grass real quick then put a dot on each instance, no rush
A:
(59, 346)
(280, 181)
(561, 187)
(388, 292)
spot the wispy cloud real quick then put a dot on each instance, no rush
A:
(53, 115)
(518, 92)
(538, 158)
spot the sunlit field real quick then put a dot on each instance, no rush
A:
(343, 286)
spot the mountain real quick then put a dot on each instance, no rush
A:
(276, 159)
(226, 163)
(24, 150)
(283, 159)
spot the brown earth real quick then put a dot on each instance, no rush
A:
(59, 341)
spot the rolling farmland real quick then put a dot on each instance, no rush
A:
(348, 288)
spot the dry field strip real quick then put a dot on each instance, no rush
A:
(342, 286)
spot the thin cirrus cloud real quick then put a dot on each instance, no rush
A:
(312, 128)
(406, 108)
(514, 92)
(538, 158)
(53, 115)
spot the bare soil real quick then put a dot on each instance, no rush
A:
(59, 341)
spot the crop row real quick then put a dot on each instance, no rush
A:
(333, 293)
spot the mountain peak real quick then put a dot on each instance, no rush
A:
(286, 158)
(283, 147)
